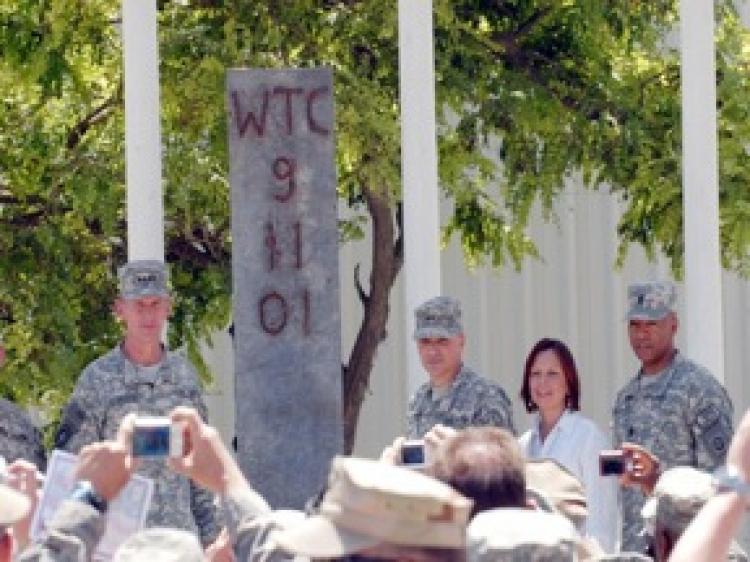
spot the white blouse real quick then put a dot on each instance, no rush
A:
(575, 442)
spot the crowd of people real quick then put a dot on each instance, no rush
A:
(480, 492)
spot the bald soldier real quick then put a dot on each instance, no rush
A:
(673, 407)
(455, 395)
(140, 375)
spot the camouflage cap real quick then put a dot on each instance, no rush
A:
(678, 495)
(520, 535)
(624, 557)
(439, 317)
(651, 300)
(143, 278)
(368, 503)
(160, 544)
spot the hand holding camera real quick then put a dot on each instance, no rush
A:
(635, 465)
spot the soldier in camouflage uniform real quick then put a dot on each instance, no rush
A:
(19, 437)
(455, 395)
(678, 496)
(141, 376)
(673, 407)
(521, 535)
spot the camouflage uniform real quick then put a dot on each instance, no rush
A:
(19, 437)
(111, 387)
(471, 401)
(684, 418)
(525, 535)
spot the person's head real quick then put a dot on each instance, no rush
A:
(560, 488)
(144, 303)
(550, 377)
(652, 323)
(521, 535)
(440, 338)
(160, 544)
(382, 511)
(13, 508)
(486, 465)
(677, 498)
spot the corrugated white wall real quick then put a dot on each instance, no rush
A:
(574, 293)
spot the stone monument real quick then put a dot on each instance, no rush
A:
(285, 279)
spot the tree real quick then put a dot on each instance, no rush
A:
(530, 91)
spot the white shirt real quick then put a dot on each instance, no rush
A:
(575, 442)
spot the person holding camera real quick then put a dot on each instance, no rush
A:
(673, 407)
(560, 432)
(140, 375)
(454, 396)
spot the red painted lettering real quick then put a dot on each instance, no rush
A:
(313, 123)
(288, 92)
(243, 121)
(273, 312)
(284, 169)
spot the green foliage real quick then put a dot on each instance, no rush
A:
(533, 91)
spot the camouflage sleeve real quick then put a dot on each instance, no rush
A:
(495, 410)
(205, 513)
(711, 425)
(411, 415)
(81, 418)
(72, 535)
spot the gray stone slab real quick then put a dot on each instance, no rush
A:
(285, 276)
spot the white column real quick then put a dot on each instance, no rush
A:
(703, 302)
(142, 130)
(418, 166)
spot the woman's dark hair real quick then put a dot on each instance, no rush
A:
(568, 368)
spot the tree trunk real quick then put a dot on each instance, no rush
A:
(387, 259)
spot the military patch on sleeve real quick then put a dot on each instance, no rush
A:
(715, 430)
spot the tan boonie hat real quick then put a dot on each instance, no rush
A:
(558, 485)
(368, 503)
(13, 506)
(678, 496)
(439, 317)
(160, 544)
(520, 535)
(651, 300)
(143, 278)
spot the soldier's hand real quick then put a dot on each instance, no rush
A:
(108, 465)
(22, 476)
(221, 549)
(738, 455)
(641, 468)
(206, 461)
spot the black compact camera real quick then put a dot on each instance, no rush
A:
(412, 453)
(612, 463)
(156, 438)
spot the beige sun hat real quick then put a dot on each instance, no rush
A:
(369, 503)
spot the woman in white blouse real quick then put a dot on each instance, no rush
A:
(560, 432)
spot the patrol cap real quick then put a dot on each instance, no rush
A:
(143, 278)
(160, 544)
(13, 506)
(624, 557)
(439, 317)
(678, 496)
(520, 535)
(651, 300)
(559, 486)
(368, 503)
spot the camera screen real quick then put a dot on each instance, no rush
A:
(413, 454)
(609, 466)
(151, 441)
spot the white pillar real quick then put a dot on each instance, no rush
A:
(703, 302)
(418, 166)
(142, 130)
